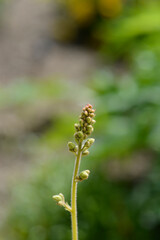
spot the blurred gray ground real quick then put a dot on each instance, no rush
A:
(26, 50)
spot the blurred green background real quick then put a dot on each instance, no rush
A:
(56, 56)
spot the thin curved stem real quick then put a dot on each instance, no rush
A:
(74, 195)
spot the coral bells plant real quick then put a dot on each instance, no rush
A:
(83, 130)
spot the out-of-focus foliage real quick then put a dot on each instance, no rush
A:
(77, 19)
(107, 208)
(116, 27)
(136, 28)
(129, 106)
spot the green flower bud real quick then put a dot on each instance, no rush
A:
(62, 196)
(79, 136)
(86, 124)
(89, 128)
(88, 119)
(92, 110)
(61, 203)
(89, 142)
(85, 153)
(86, 113)
(77, 126)
(72, 147)
(57, 198)
(93, 121)
(92, 115)
(84, 174)
(81, 122)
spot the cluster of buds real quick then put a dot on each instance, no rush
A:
(83, 176)
(61, 201)
(85, 126)
(72, 147)
(83, 129)
(87, 145)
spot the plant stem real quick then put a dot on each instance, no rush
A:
(74, 194)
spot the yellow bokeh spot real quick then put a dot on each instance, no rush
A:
(82, 11)
(109, 8)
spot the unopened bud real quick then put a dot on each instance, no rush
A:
(61, 203)
(72, 147)
(93, 121)
(77, 126)
(81, 122)
(57, 198)
(84, 174)
(89, 128)
(85, 113)
(85, 153)
(79, 136)
(92, 115)
(62, 196)
(92, 110)
(88, 119)
(89, 142)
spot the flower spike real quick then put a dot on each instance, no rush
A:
(83, 130)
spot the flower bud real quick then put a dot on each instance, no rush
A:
(61, 203)
(84, 174)
(89, 128)
(77, 126)
(79, 136)
(85, 153)
(57, 197)
(89, 142)
(88, 119)
(81, 122)
(93, 121)
(92, 110)
(72, 147)
(92, 115)
(86, 113)
(85, 125)
(62, 196)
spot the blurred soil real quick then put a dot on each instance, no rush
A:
(27, 50)
(27, 47)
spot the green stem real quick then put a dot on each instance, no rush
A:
(74, 194)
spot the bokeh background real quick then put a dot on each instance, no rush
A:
(56, 56)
